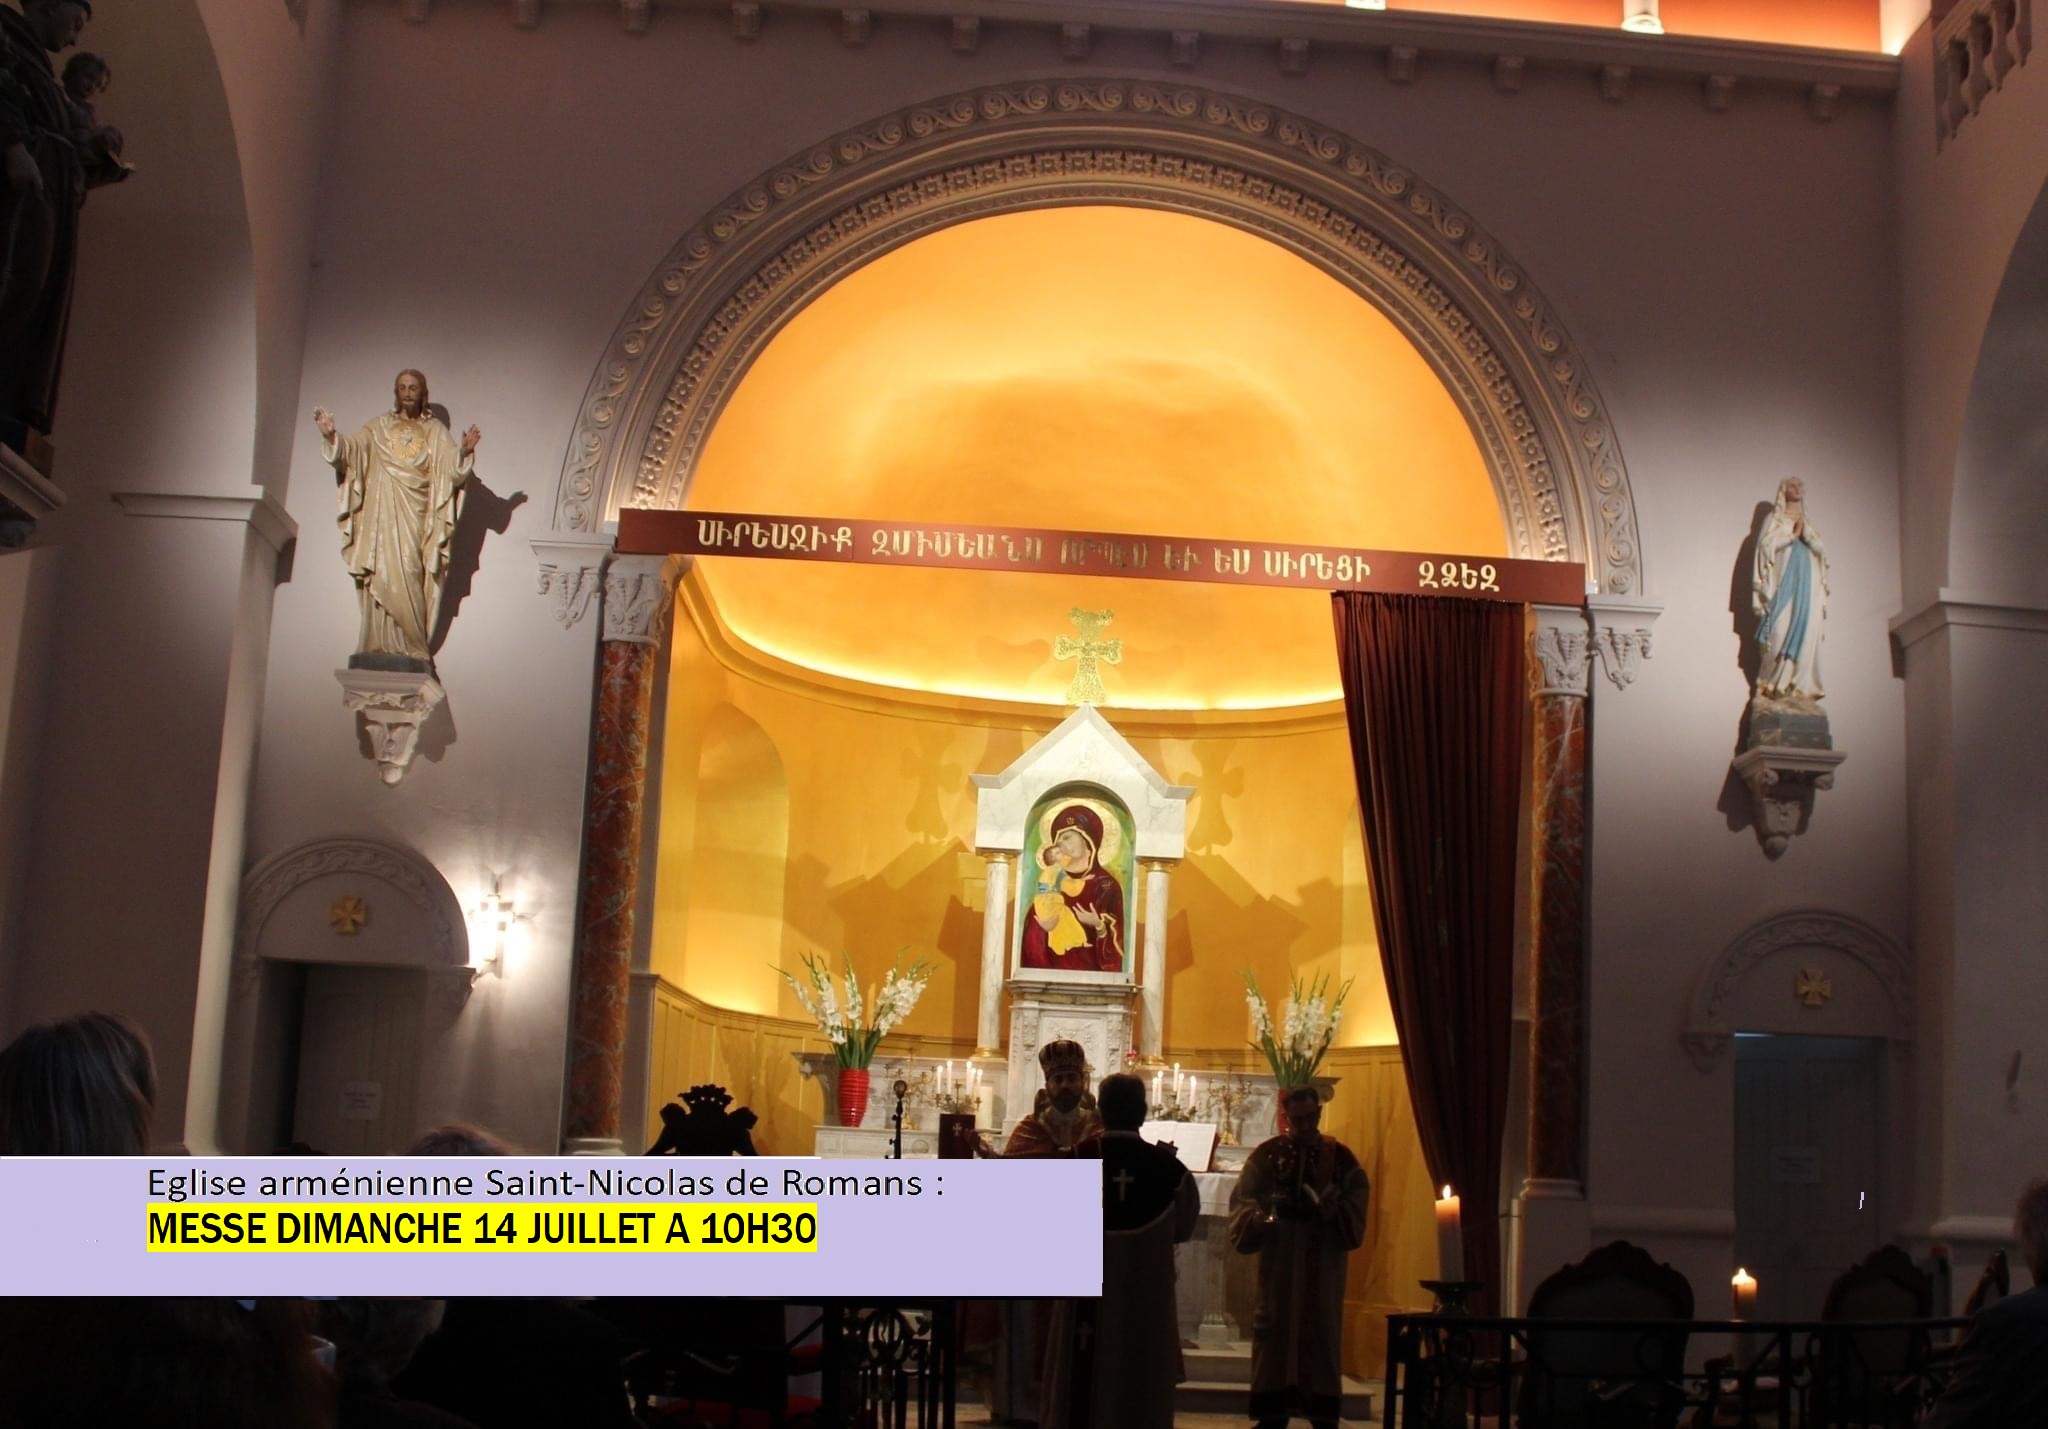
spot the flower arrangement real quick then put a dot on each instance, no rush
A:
(1307, 1027)
(850, 1020)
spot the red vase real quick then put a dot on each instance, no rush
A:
(853, 1095)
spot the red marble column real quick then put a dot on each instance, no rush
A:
(637, 594)
(1557, 1018)
(1561, 662)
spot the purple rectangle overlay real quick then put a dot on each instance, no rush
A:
(79, 1226)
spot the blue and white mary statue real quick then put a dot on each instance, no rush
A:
(1789, 590)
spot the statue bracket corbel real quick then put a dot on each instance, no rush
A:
(1783, 782)
(392, 704)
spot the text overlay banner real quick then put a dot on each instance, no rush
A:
(543, 1226)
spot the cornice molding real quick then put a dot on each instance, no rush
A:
(262, 513)
(736, 277)
(1312, 27)
(1967, 608)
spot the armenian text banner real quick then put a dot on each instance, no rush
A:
(1094, 553)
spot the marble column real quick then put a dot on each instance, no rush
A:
(1152, 1018)
(639, 592)
(1559, 644)
(995, 927)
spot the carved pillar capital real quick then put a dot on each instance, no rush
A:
(1621, 634)
(1558, 651)
(639, 592)
(570, 574)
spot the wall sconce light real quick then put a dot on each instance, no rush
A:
(1365, 4)
(1640, 16)
(494, 917)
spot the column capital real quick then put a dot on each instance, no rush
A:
(1558, 646)
(570, 573)
(639, 592)
(1621, 634)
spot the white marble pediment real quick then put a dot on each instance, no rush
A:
(1083, 749)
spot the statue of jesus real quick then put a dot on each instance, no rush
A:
(399, 479)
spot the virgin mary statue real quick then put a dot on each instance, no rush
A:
(1789, 592)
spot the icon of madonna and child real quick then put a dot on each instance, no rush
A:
(1079, 860)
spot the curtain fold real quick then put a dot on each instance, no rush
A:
(1435, 698)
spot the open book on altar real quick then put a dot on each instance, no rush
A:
(1194, 1142)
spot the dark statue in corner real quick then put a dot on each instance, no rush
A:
(702, 1126)
(53, 149)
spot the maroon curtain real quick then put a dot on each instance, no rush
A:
(1435, 699)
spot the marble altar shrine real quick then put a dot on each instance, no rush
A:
(1119, 1018)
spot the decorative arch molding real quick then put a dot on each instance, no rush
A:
(1708, 1026)
(750, 265)
(422, 924)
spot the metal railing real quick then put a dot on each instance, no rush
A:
(1457, 1372)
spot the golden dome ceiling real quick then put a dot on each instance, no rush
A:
(1094, 369)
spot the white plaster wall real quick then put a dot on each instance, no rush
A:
(1974, 531)
(1960, 210)
(142, 766)
(492, 198)
(28, 634)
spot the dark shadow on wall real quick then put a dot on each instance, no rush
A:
(1734, 804)
(483, 512)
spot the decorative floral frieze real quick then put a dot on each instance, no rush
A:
(639, 592)
(570, 575)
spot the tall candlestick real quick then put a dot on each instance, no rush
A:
(1450, 1239)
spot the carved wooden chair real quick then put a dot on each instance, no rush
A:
(1607, 1379)
(1869, 1377)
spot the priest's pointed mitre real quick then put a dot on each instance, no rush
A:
(1062, 1056)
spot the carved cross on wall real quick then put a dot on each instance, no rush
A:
(1086, 652)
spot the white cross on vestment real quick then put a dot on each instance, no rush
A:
(1123, 1181)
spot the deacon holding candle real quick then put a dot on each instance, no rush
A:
(1300, 1207)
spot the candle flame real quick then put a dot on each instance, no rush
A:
(1447, 1193)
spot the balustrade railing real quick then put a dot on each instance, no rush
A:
(1977, 45)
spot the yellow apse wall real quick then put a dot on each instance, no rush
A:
(796, 823)
(870, 806)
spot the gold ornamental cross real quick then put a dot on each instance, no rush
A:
(1086, 652)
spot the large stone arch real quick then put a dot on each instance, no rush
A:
(728, 286)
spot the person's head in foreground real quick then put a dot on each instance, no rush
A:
(1121, 1100)
(460, 1139)
(1066, 1073)
(1304, 1107)
(82, 1087)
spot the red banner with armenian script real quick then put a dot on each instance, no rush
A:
(1093, 553)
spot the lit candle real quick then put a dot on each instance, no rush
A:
(1745, 1293)
(1450, 1239)
(1176, 1081)
(1194, 1090)
(1155, 1089)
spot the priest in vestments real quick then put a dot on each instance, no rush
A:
(1112, 1363)
(1300, 1207)
(1061, 1119)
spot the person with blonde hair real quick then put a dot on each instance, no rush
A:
(85, 1086)
(1999, 1380)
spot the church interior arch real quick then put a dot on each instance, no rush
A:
(1084, 367)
